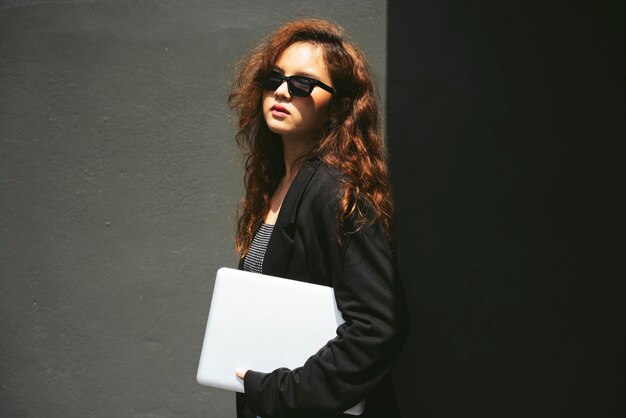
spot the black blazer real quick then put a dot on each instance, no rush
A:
(356, 364)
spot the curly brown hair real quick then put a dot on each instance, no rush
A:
(351, 139)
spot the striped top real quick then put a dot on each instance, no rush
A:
(254, 259)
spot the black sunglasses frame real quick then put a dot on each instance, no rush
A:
(293, 90)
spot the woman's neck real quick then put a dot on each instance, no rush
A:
(293, 151)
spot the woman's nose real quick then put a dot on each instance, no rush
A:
(282, 90)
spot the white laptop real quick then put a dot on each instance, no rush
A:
(260, 322)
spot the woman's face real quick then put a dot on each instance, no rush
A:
(292, 117)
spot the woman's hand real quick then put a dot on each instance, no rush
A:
(240, 373)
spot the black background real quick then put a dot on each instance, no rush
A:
(504, 121)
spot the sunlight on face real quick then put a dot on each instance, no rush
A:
(298, 118)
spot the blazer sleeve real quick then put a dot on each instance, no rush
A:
(369, 294)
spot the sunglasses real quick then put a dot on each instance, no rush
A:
(298, 85)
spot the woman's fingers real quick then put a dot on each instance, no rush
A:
(240, 373)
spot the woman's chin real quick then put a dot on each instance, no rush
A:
(278, 128)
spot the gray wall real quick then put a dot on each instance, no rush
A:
(118, 182)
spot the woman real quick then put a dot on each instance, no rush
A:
(318, 209)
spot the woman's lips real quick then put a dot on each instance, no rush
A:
(278, 110)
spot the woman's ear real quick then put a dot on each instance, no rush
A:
(344, 104)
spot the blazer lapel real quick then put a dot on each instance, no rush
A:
(280, 245)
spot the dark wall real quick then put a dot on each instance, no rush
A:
(119, 178)
(504, 120)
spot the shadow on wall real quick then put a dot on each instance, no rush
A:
(503, 156)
